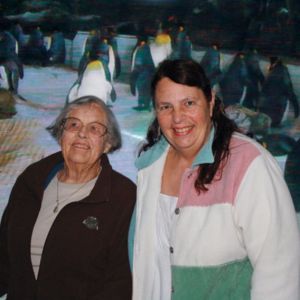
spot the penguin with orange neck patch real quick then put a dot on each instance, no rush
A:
(93, 81)
(161, 47)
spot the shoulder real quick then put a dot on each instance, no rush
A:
(122, 187)
(242, 143)
(44, 166)
(244, 150)
(151, 155)
(123, 180)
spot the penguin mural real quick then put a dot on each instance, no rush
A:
(107, 56)
(233, 85)
(57, 49)
(160, 48)
(97, 48)
(112, 41)
(92, 39)
(276, 92)
(93, 81)
(142, 71)
(104, 53)
(10, 61)
(211, 63)
(256, 79)
(292, 174)
(182, 46)
(288, 149)
(17, 32)
(35, 51)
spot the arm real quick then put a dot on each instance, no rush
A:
(267, 222)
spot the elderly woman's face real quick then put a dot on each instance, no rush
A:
(81, 141)
(183, 114)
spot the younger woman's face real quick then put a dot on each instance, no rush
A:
(184, 115)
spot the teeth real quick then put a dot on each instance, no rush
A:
(182, 130)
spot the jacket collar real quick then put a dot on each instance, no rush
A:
(43, 171)
(205, 155)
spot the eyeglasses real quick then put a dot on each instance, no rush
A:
(74, 125)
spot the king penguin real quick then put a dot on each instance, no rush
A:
(92, 82)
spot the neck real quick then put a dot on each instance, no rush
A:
(79, 174)
(184, 159)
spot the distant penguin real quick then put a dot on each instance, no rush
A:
(234, 81)
(211, 63)
(277, 91)
(35, 51)
(160, 48)
(292, 174)
(17, 32)
(57, 49)
(90, 41)
(282, 145)
(103, 52)
(141, 74)
(92, 82)
(183, 46)
(111, 61)
(112, 41)
(256, 79)
(10, 61)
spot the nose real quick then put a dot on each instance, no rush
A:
(177, 115)
(82, 132)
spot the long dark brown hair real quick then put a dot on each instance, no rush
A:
(190, 73)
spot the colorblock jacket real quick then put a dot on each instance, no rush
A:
(237, 241)
(79, 260)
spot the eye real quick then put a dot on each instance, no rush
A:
(72, 124)
(164, 107)
(94, 128)
(97, 129)
(189, 103)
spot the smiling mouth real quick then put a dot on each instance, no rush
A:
(81, 146)
(182, 131)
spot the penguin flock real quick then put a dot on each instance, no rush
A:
(258, 101)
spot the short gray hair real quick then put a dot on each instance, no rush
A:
(114, 134)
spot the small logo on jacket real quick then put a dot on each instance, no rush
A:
(91, 223)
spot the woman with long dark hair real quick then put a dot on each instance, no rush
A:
(214, 217)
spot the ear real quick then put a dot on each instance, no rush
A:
(212, 103)
(107, 147)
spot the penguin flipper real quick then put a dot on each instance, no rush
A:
(73, 92)
(118, 66)
(132, 82)
(113, 94)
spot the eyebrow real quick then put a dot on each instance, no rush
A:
(87, 123)
(181, 100)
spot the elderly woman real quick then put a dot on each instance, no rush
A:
(214, 216)
(64, 232)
